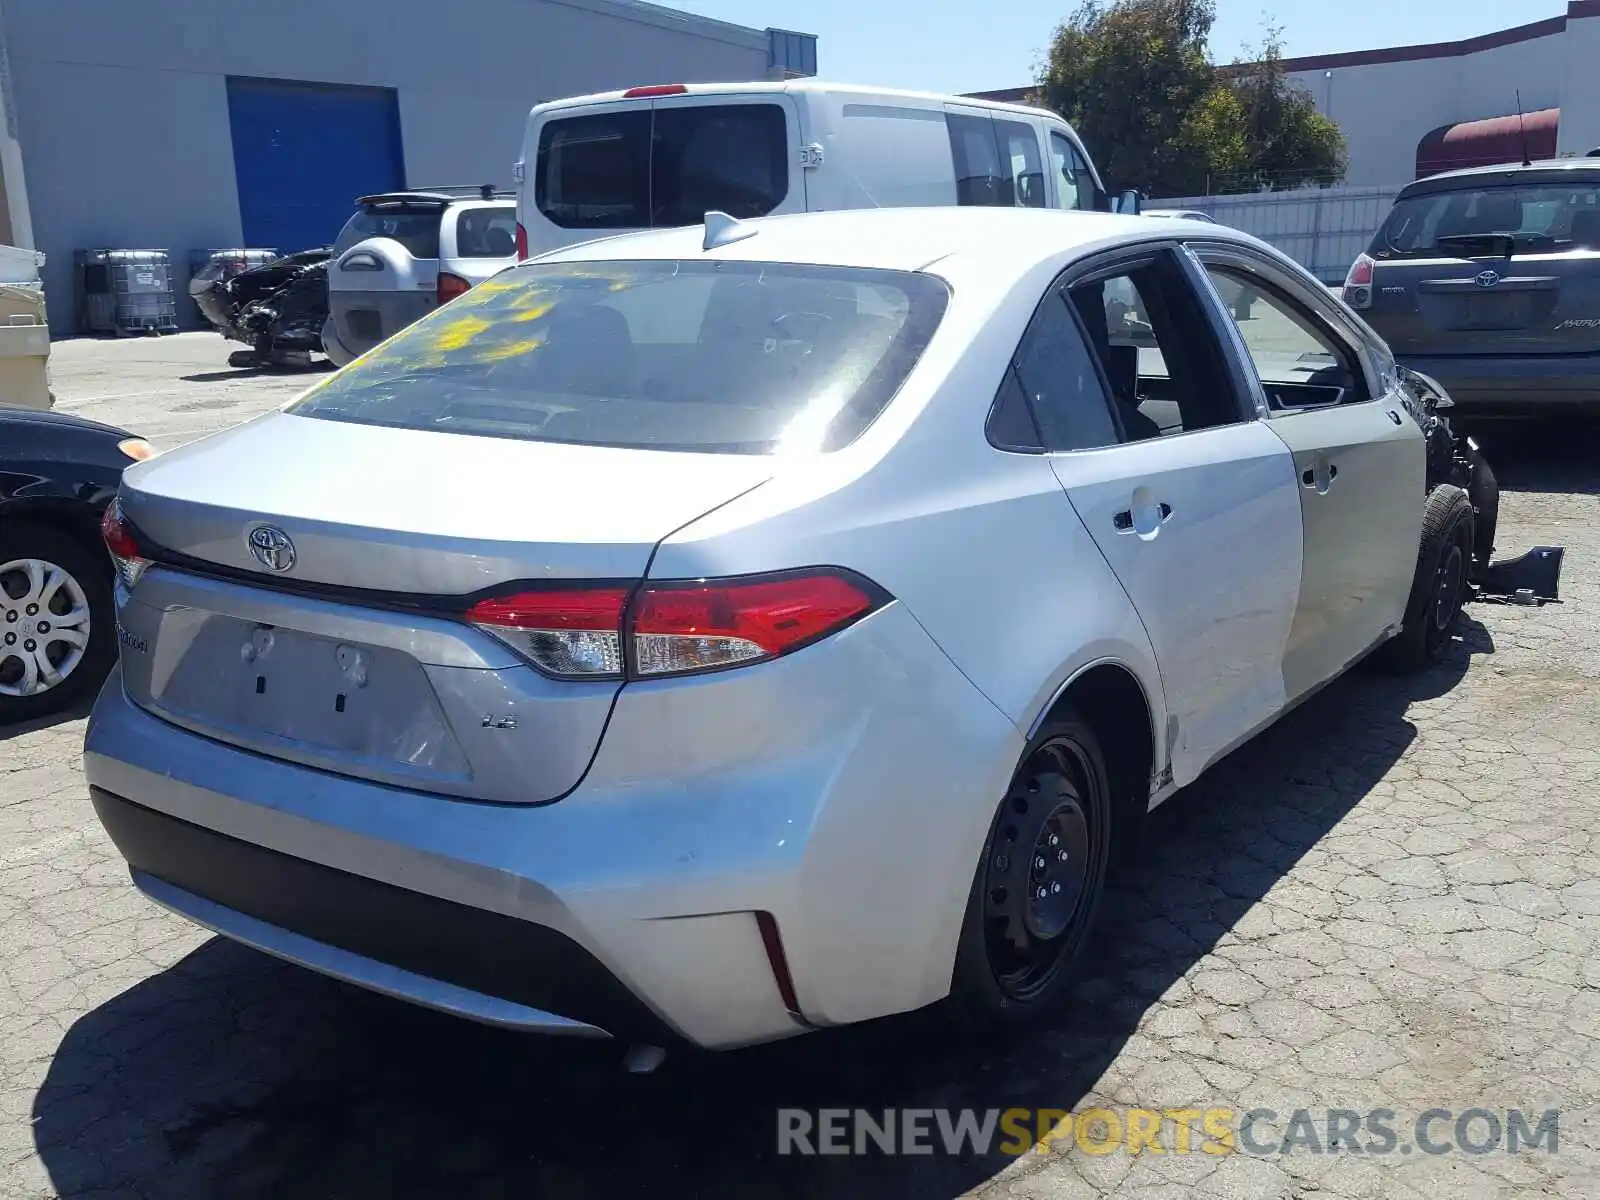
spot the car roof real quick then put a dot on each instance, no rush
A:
(1550, 168)
(793, 87)
(904, 239)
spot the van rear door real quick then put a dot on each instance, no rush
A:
(658, 161)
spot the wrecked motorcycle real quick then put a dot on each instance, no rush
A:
(277, 309)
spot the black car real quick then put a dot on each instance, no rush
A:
(1488, 280)
(57, 629)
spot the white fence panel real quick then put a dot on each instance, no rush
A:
(1322, 229)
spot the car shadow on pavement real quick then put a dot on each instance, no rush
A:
(234, 374)
(1550, 455)
(232, 1074)
(17, 728)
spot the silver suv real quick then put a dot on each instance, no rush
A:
(1488, 280)
(402, 254)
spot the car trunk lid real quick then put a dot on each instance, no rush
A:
(354, 655)
(1528, 304)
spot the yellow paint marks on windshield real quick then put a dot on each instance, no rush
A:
(505, 351)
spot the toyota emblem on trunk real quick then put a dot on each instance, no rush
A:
(271, 547)
(1487, 278)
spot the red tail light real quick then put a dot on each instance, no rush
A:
(683, 627)
(522, 243)
(675, 628)
(450, 286)
(117, 533)
(655, 89)
(1358, 283)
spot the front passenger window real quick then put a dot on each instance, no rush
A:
(1301, 364)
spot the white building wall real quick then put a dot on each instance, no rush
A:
(1386, 108)
(123, 115)
(1580, 82)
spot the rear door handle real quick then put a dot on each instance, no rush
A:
(1309, 477)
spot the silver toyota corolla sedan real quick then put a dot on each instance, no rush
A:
(724, 632)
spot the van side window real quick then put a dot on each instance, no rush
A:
(1072, 173)
(1024, 172)
(980, 182)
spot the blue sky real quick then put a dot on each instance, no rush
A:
(944, 46)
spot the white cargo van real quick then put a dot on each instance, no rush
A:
(666, 155)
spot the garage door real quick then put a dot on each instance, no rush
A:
(302, 153)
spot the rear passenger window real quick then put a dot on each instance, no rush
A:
(662, 167)
(486, 233)
(1057, 374)
(1156, 350)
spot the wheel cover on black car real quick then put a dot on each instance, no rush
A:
(1043, 861)
(44, 626)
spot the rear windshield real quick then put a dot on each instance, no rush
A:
(641, 167)
(417, 229)
(1537, 216)
(487, 232)
(733, 358)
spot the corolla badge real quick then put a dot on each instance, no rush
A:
(1486, 279)
(271, 547)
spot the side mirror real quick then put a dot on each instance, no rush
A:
(1129, 203)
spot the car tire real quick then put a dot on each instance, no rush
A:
(1439, 588)
(53, 573)
(1038, 885)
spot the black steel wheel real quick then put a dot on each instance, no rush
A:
(1439, 588)
(1038, 887)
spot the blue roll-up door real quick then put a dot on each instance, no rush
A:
(302, 153)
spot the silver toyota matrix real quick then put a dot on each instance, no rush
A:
(717, 633)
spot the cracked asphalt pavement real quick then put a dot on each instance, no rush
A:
(1390, 900)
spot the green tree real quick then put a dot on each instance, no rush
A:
(1289, 143)
(1129, 76)
(1134, 78)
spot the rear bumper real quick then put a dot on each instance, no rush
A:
(1515, 386)
(434, 952)
(838, 797)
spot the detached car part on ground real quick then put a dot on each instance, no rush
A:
(57, 626)
(277, 309)
(718, 633)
